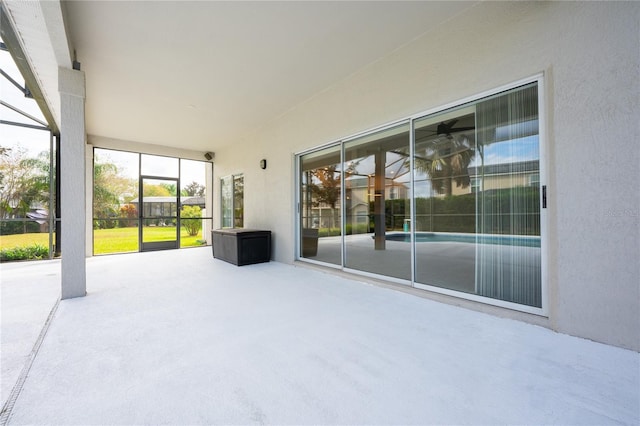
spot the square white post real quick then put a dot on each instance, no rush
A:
(72, 182)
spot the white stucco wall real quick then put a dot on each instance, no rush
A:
(72, 183)
(590, 57)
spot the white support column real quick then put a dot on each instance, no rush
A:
(72, 182)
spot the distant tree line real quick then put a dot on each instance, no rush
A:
(24, 186)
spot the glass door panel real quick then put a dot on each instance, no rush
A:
(320, 213)
(508, 265)
(477, 197)
(377, 196)
(159, 214)
(115, 201)
(445, 148)
(195, 203)
(232, 201)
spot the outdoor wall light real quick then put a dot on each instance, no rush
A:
(263, 164)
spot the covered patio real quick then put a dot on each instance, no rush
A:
(177, 337)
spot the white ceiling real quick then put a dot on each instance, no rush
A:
(200, 75)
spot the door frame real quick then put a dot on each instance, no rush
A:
(157, 245)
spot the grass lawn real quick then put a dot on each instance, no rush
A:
(116, 240)
(119, 240)
(24, 240)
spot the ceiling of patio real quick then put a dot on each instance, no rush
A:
(200, 75)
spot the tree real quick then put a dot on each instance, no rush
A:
(109, 190)
(446, 159)
(170, 187)
(327, 191)
(4, 153)
(238, 201)
(24, 182)
(156, 190)
(188, 221)
(128, 213)
(105, 198)
(194, 189)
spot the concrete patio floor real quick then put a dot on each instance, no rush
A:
(177, 337)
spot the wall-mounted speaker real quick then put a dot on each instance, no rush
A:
(209, 155)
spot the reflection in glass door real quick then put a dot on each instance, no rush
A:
(477, 197)
(159, 214)
(320, 213)
(455, 206)
(377, 203)
(445, 199)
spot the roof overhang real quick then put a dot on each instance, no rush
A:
(202, 75)
(36, 37)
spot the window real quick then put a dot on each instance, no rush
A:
(116, 214)
(27, 169)
(148, 202)
(457, 213)
(232, 201)
(476, 185)
(534, 179)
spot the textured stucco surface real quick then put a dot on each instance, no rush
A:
(28, 292)
(177, 337)
(589, 55)
(72, 182)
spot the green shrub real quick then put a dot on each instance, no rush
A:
(360, 228)
(192, 226)
(35, 251)
(328, 232)
(349, 229)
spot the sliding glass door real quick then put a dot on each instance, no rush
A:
(445, 203)
(508, 260)
(449, 201)
(377, 203)
(477, 174)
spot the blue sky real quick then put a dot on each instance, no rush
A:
(511, 151)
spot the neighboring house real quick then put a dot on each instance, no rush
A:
(166, 206)
(500, 176)
(18, 222)
(360, 193)
(41, 217)
(193, 201)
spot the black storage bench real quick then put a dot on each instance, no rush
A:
(241, 246)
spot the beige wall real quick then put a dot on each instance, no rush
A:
(497, 182)
(590, 58)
